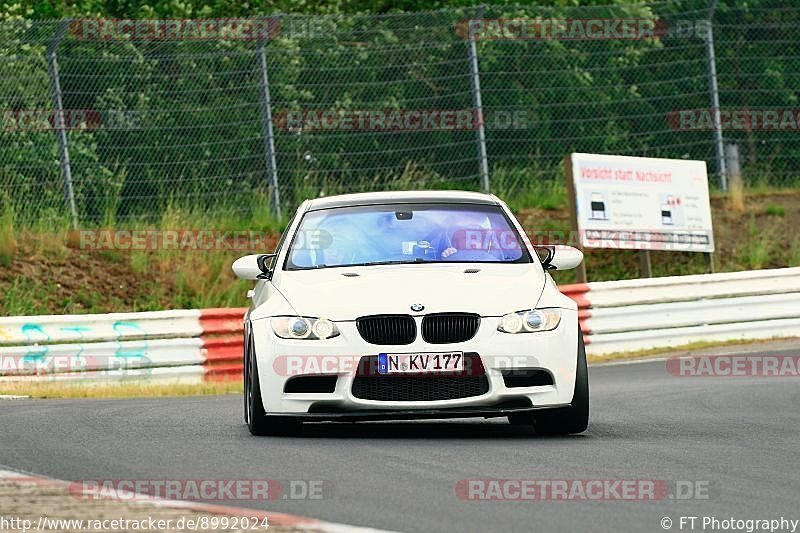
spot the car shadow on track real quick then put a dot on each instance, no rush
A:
(423, 430)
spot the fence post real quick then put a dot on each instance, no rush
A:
(59, 123)
(711, 63)
(734, 169)
(477, 105)
(267, 128)
(732, 164)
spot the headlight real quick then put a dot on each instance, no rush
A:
(300, 327)
(530, 321)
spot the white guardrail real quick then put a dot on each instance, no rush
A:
(637, 314)
(180, 346)
(201, 345)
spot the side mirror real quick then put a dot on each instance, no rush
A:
(560, 257)
(253, 266)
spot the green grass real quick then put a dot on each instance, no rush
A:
(8, 242)
(793, 254)
(757, 247)
(60, 389)
(521, 189)
(689, 347)
(203, 278)
(162, 278)
(22, 297)
(775, 210)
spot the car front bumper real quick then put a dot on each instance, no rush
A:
(486, 411)
(280, 359)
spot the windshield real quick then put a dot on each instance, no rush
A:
(405, 233)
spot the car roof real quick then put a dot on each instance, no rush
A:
(401, 197)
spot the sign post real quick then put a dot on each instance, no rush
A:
(645, 265)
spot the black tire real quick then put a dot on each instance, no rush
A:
(566, 420)
(246, 371)
(258, 422)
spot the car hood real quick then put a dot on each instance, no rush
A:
(347, 293)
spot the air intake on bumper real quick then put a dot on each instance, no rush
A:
(371, 385)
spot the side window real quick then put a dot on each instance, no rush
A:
(282, 240)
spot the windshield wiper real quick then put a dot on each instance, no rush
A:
(416, 260)
(312, 267)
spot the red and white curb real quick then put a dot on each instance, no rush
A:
(274, 519)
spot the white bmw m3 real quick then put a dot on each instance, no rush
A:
(411, 305)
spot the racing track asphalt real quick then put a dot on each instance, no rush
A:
(739, 434)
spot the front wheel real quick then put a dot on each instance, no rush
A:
(258, 422)
(564, 420)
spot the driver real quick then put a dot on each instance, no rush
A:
(467, 231)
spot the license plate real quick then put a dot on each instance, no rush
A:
(404, 363)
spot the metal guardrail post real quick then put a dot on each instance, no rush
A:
(267, 128)
(59, 123)
(711, 64)
(477, 105)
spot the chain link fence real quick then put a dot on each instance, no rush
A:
(109, 121)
